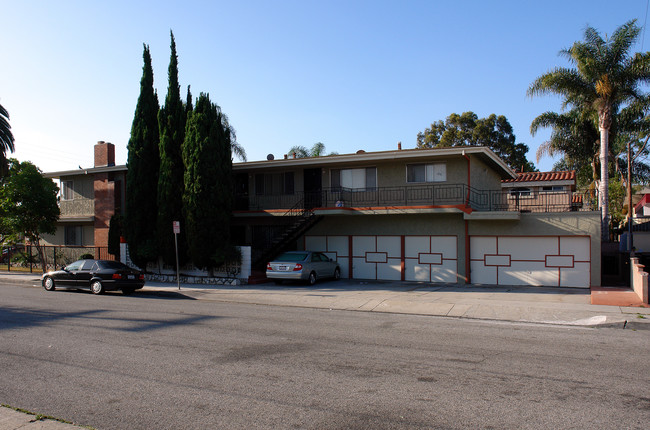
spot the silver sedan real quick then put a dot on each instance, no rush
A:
(302, 265)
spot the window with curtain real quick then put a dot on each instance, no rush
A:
(354, 179)
(426, 173)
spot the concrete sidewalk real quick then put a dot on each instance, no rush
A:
(546, 305)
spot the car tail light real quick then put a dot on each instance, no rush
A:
(268, 266)
(298, 267)
(117, 276)
(141, 277)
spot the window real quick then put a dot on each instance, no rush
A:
(354, 179)
(550, 188)
(89, 265)
(267, 184)
(74, 266)
(73, 235)
(67, 190)
(520, 192)
(426, 173)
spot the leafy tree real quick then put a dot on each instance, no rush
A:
(28, 205)
(318, 150)
(142, 175)
(467, 129)
(606, 80)
(208, 199)
(171, 121)
(6, 140)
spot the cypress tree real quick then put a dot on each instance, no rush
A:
(171, 121)
(208, 199)
(142, 174)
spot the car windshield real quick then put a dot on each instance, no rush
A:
(292, 256)
(112, 265)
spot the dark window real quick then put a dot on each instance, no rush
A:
(73, 235)
(88, 265)
(288, 183)
(268, 184)
(259, 184)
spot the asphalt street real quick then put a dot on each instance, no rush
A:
(167, 361)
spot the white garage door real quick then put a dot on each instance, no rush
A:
(431, 258)
(412, 258)
(557, 261)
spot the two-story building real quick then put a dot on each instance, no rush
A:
(453, 215)
(438, 215)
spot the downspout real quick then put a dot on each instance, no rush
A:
(469, 177)
(468, 275)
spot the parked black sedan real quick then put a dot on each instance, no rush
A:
(97, 275)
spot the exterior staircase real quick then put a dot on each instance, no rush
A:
(305, 219)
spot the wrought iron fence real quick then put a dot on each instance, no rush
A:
(26, 258)
(430, 195)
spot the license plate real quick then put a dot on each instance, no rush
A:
(283, 268)
(131, 277)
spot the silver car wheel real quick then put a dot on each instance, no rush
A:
(312, 278)
(96, 287)
(337, 274)
(48, 284)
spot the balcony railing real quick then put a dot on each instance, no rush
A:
(425, 195)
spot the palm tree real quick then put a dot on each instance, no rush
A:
(6, 140)
(606, 79)
(318, 150)
(574, 136)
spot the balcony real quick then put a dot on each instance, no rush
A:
(429, 195)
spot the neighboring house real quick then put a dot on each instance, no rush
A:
(438, 215)
(88, 198)
(543, 192)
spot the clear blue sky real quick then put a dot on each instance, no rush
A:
(351, 74)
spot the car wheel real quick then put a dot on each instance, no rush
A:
(96, 287)
(127, 291)
(312, 278)
(48, 284)
(337, 274)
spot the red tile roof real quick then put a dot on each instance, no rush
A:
(543, 177)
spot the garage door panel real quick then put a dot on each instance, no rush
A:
(363, 244)
(481, 245)
(575, 277)
(580, 247)
(416, 272)
(446, 272)
(391, 245)
(363, 270)
(414, 245)
(446, 245)
(482, 274)
(338, 244)
(392, 270)
(522, 248)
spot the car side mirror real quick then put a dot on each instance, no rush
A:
(63, 268)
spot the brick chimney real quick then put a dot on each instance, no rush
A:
(104, 154)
